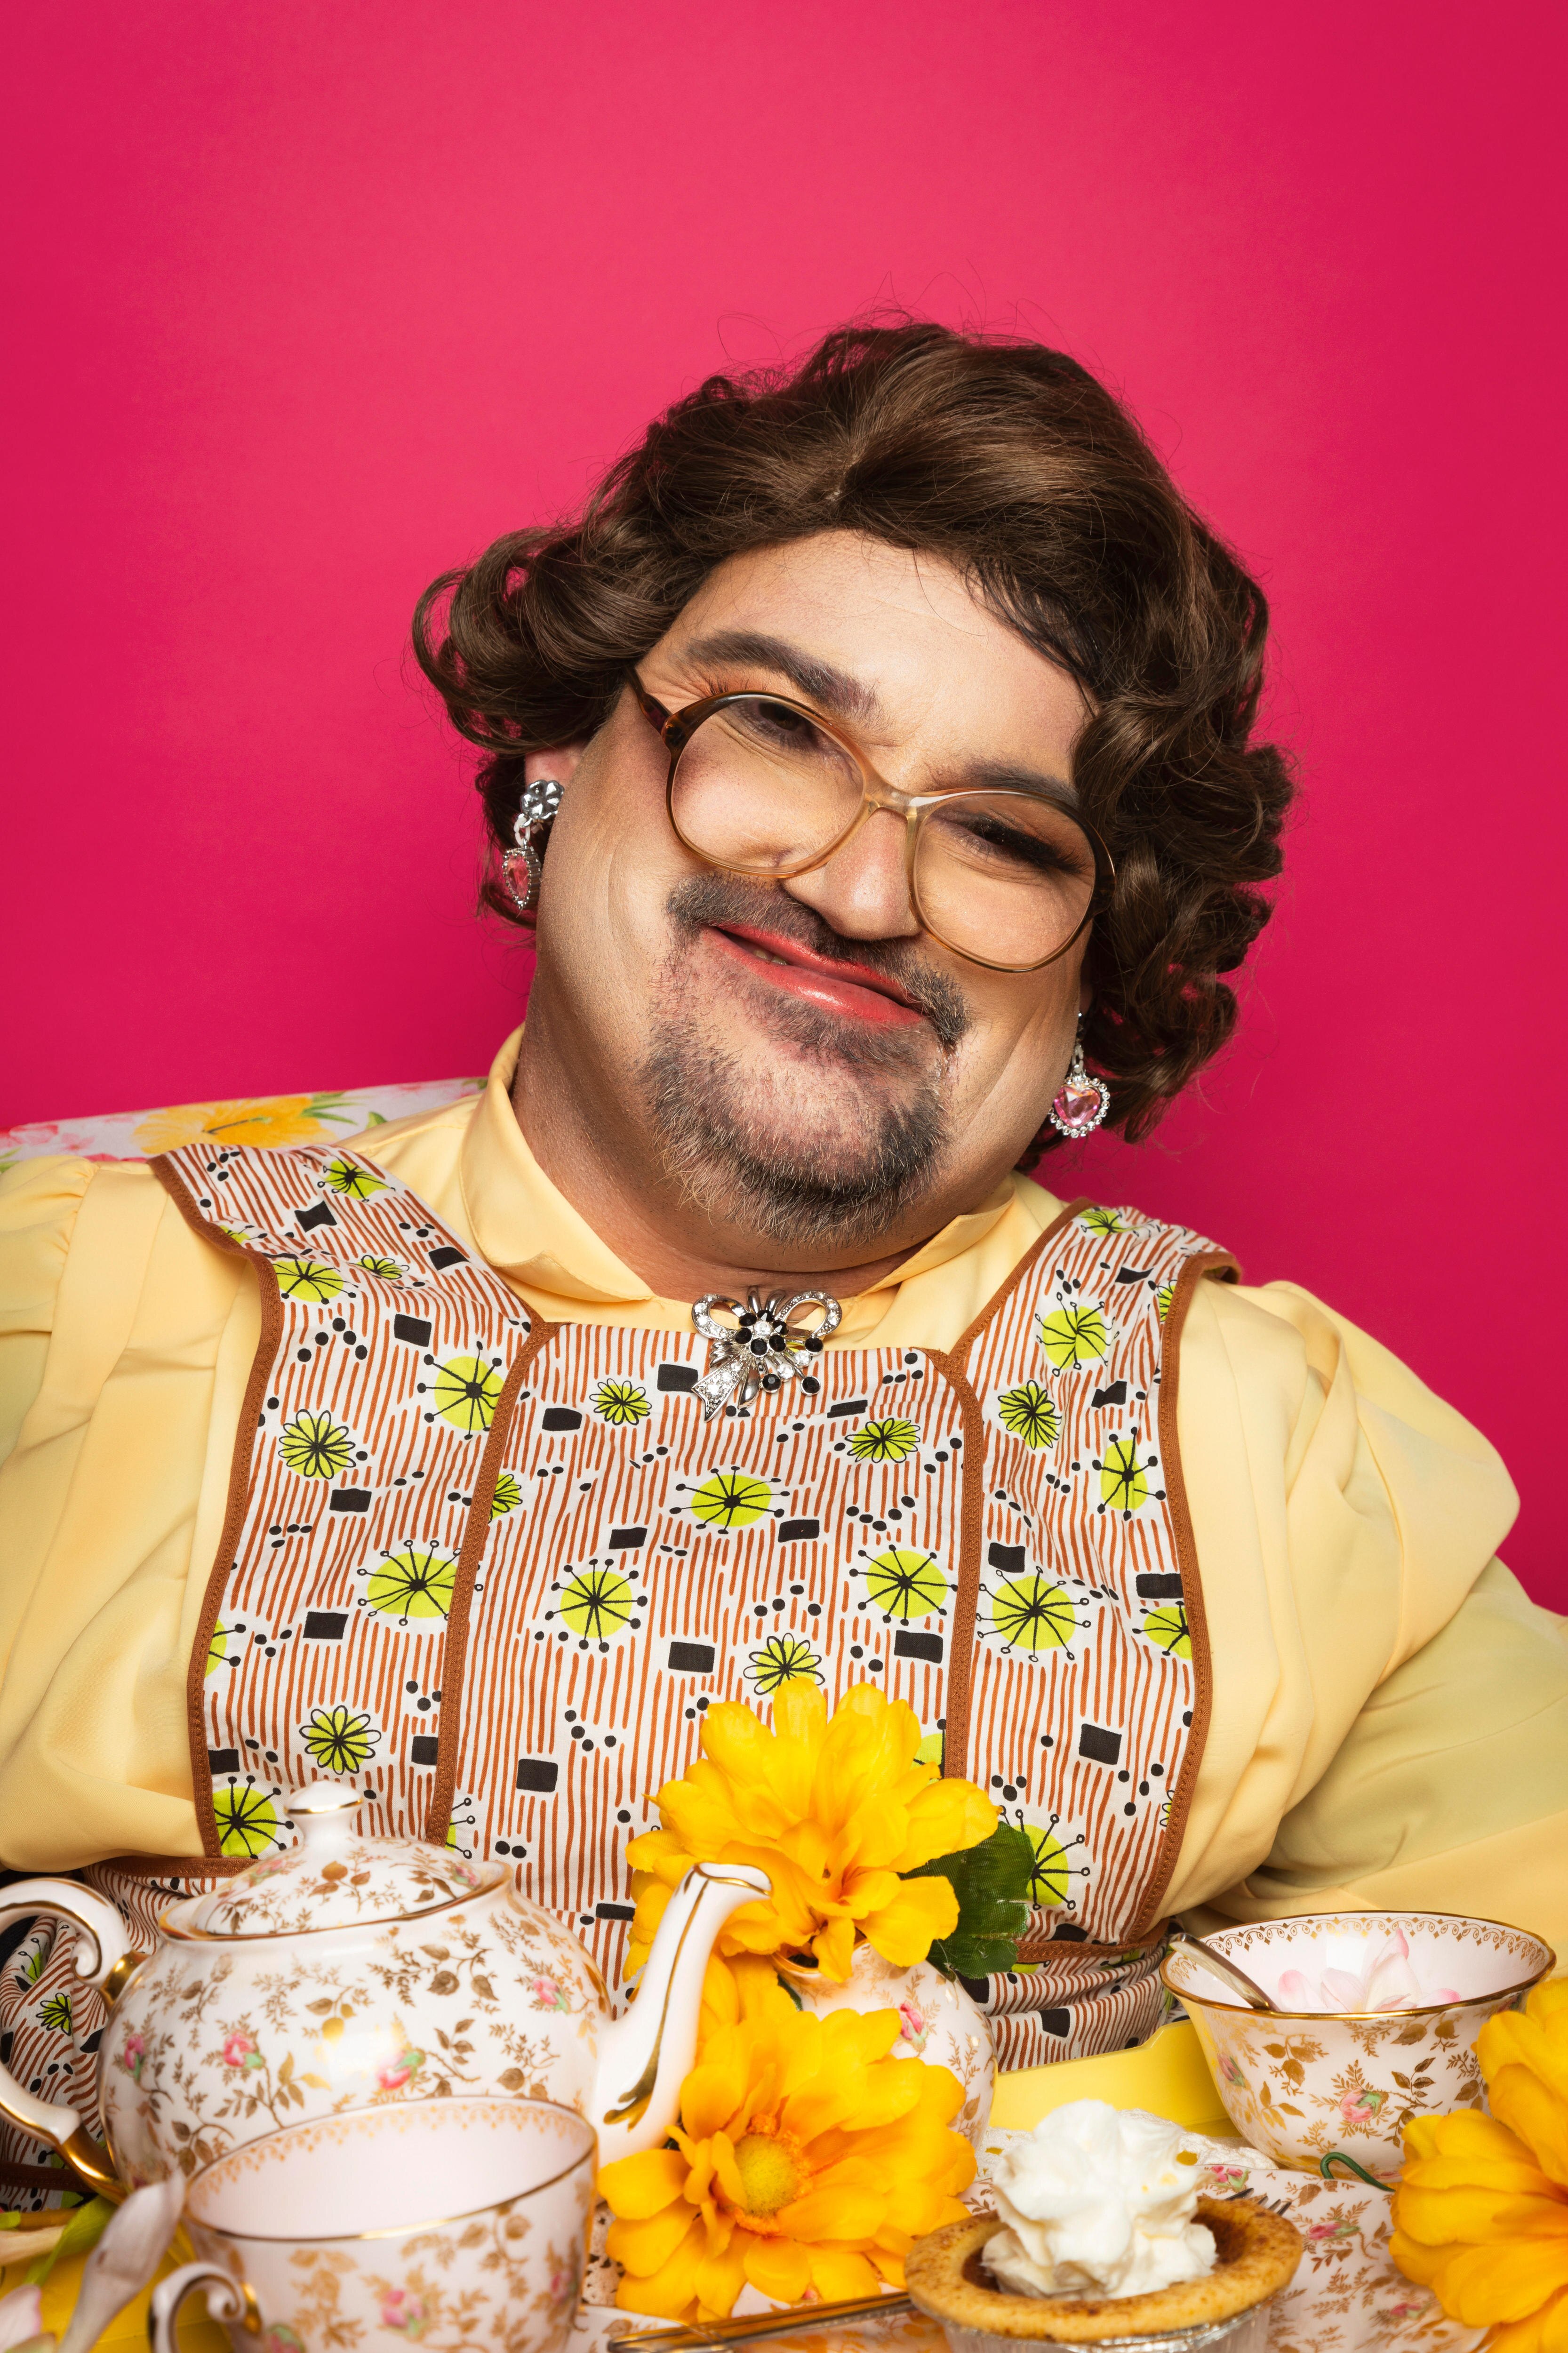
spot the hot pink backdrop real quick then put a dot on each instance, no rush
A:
(310, 300)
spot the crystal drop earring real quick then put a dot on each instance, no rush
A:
(1081, 1102)
(535, 814)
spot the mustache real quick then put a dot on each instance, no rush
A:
(716, 899)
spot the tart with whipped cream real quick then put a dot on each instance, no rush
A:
(1256, 2254)
(1100, 2237)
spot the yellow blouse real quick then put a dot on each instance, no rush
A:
(1390, 1712)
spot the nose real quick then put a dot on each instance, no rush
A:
(863, 891)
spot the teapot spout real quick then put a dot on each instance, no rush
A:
(646, 2056)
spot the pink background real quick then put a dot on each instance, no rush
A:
(310, 300)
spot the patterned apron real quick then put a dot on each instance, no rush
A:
(496, 1572)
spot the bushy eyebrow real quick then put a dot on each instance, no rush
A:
(834, 690)
(850, 700)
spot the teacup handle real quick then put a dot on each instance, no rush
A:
(226, 2300)
(102, 1960)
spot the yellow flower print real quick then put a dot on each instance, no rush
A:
(415, 1581)
(884, 1442)
(783, 1658)
(217, 1650)
(246, 1819)
(1031, 1613)
(727, 1499)
(339, 1740)
(1030, 1412)
(315, 1446)
(1048, 1874)
(1163, 1297)
(390, 1269)
(1121, 1482)
(353, 1181)
(1103, 1221)
(263, 1119)
(507, 1497)
(905, 1585)
(310, 1279)
(1168, 1629)
(1075, 1336)
(621, 1404)
(807, 2160)
(597, 1604)
(467, 1390)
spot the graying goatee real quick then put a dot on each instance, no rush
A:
(706, 1104)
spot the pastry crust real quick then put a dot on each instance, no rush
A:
(1256, 2254)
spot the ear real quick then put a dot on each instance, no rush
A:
(539, 768)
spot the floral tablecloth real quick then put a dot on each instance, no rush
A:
(320, 1118)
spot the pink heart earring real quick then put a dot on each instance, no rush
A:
(1079, 1103)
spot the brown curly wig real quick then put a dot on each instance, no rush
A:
(1012, 462)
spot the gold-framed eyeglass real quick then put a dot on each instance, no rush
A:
(758, 785)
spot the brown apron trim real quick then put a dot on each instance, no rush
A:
(1047, 1948)
(999, 1299)
(1201, 1265)
(42, 2177)
(238, 1487)
(170, 1867)
(454, 1648)
(970, 1535)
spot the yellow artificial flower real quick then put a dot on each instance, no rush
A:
(804, 2159)
(1481, 2216)
(834, 1809)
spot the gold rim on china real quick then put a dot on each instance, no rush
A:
(409, 2108)
(1400, 2009)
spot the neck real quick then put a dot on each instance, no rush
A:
(594, 1147)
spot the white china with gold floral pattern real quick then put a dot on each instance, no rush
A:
(1306, 2078)
(455, 2223)
(352, 1972)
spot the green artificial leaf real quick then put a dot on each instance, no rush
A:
(991, 1881)
(83, 2230)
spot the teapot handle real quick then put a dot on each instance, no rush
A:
(227, 2299)
(102, 1960)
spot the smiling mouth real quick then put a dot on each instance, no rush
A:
(854, 991)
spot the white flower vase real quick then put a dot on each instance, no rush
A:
(942, 2024)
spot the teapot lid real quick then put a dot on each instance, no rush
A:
(334, 1878)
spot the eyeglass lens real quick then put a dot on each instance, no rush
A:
(760, 790)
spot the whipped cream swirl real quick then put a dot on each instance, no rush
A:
(1098, 2201)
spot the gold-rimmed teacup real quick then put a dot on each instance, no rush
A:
(1310, 2078)
(449, 2220)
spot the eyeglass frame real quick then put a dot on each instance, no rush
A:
(674, 730)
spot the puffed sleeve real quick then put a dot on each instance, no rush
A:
(1347, 1521)
(111, 1497)
(1449, 1793)
(39, 1201)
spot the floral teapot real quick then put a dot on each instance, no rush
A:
(354, 1970)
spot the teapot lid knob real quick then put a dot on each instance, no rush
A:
(321, 1811)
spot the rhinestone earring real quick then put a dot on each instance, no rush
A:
(536, 812)
(1079, 1103)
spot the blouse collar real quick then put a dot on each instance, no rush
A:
(527, 1230)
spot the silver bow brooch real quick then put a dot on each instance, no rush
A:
(768, 1343)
